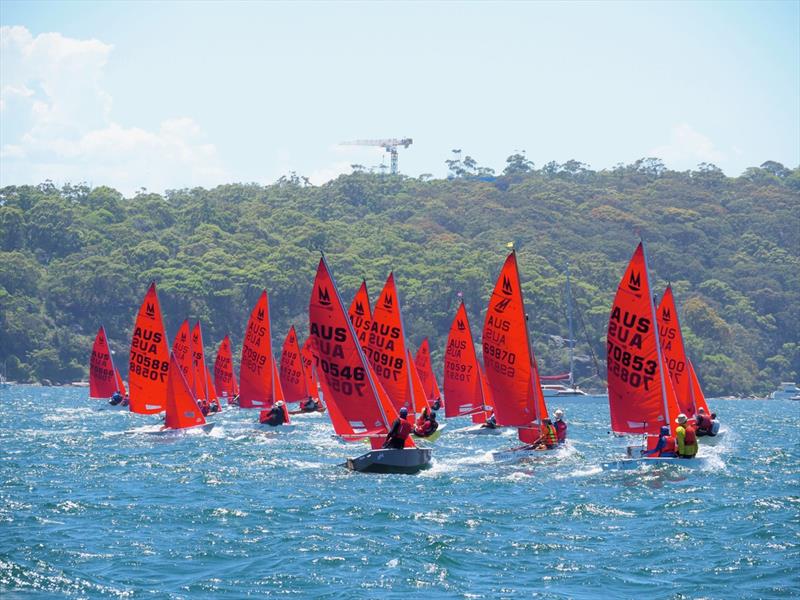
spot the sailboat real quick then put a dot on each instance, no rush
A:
(309, 371)
(224, 377)
(358, 405)
(256, 381)
(425, 369)
(104, 379)
(552, 390)
(464, 382)
(293, 378)
(149, 358)
(641, 396)
(182, 411)
(361, 314)
(681, 371)
(511, 369)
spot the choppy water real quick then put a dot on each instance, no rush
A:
(88, 511)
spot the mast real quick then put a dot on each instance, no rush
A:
(528, 339)
(571, 341)
(654, 320)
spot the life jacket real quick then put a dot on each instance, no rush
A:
(405, 430)
(690, 439)
(549, 436)
(670, 447)
(561, 431)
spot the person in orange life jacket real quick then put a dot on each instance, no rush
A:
(274, 416)
(561, 426)
(686, 437)
(665, 445)
(116, 398)
(703, 422)
(423, 417)
(549, 439)
(399, 432)
(428, 427)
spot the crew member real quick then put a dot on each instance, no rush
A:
(214, 406)
(310, 405)
(686, 437)
(202, 403)
(561, 426)
(714, 424)
(428, 427)
(423, 417)
(126, 400)
(703, 422)
(398, 434)
(274, 416)
(437, 404)
(491, 422)
(116, 398)
(665, 445)
(549, 438)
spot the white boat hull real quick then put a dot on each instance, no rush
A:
(626, 464)
(407, 460)
(432, 437)
(205, 428)
(479, 430)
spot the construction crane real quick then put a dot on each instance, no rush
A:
(389, 145)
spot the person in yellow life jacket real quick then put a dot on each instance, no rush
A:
(549, 438)
(686, 437)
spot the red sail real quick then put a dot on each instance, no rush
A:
(292, 376)
(120, 383)
(308, 369)
(257, 387)
(103, 377)
(488, 403)
(182, 409)
(640, 395)
(507, 354)
(149, 358)
(674, 352)
(202, 378)
(425, 370)
(462, 378)
(224, 379)
(386, 348)
(351, 392)
(417, 389)
(697, 391)
(182, 349)
(361, 314)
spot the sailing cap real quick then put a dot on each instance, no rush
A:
(279, 403)
(559, 413)
(681, 419)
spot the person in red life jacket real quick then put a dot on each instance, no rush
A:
(428, 427)
(274, 416)
(202, 404)
(561, 426)
(703, 422)
(665, 446)
(399, 432)
(686, 437)
(422, 419)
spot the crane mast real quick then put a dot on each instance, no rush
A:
(390, 145)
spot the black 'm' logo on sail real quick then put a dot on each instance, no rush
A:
(183, 336)
(635, 281)
(260, 314)
(461, 326)
(387, 302)
(502, 305)
(666, 314)
(507, 286)
(359, 309)
(324, 296)
(150, 311)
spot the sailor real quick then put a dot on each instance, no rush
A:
(714, 424)
(686, 437)
(561, 426)
(274, 416)
(422, 419)
(437, 404)
(126, 400)
(491, 422)
(401, 429)
(703, 422)
(235, 400)
(116, 398)
(310, 405)
(549, 439)
(202, 403)
(214, 406)
(665, 445)
(428, 427)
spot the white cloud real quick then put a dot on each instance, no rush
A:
(687, 148)
(56, 123)
(330, 172)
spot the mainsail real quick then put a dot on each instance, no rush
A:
(426, 374)
(641, 397)
(292, 374)
(149, 358)
(462, 378)
(104, 379)
(224, 378)
(181, 405)
(256, 383)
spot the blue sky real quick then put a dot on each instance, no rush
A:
(179, 94)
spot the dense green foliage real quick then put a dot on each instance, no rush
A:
(74, 258)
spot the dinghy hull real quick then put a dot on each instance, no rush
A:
(634, 463)
(479, 430)
(407, 460)
(205, 428)
(431, 438)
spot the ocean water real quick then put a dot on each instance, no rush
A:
(93, 507)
